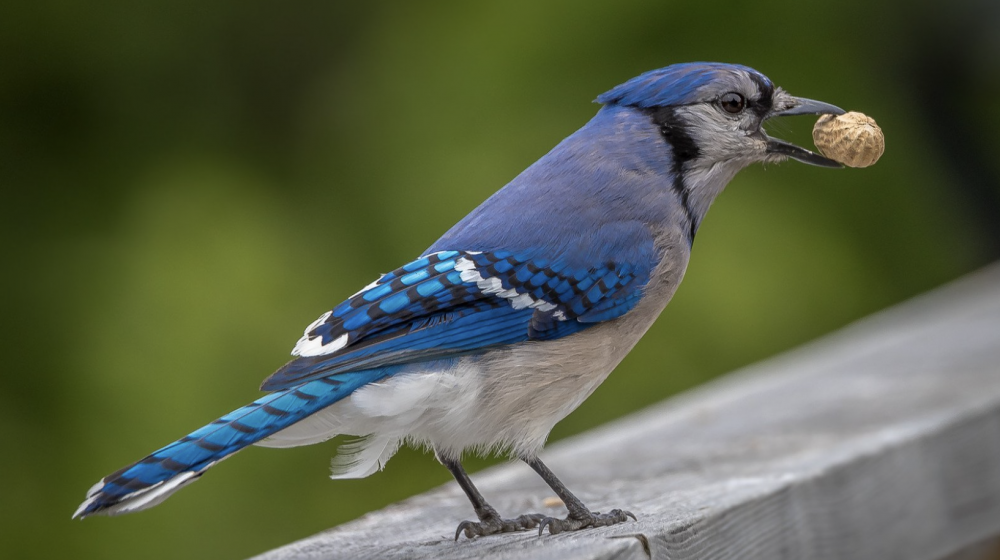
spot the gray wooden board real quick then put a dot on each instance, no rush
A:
(879, 441)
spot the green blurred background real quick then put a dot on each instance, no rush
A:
(186, 185)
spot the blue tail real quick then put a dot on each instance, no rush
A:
(148, 482)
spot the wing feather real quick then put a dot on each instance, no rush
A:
(452, 303)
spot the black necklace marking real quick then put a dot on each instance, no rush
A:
(675, 132)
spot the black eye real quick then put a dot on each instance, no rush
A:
(732, 102)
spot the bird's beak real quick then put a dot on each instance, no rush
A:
(802, 106)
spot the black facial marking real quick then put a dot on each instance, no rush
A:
(762, 105)
(675, 132)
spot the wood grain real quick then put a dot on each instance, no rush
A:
(880, 441)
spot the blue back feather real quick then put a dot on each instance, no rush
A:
(572, 231)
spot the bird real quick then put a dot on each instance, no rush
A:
(513, 318)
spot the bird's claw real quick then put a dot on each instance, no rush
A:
(495, 525)
(590, 519)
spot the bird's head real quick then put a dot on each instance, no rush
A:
(712, 114)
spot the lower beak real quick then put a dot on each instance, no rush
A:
(802, 106)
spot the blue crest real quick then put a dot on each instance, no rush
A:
(674, 85)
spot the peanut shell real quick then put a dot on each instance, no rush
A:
(852, 139)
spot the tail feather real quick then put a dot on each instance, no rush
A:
(151, 480)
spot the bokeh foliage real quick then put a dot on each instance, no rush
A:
(186, 185)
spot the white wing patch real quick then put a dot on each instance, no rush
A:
(309, 346)
(313, 345)
(493, 286)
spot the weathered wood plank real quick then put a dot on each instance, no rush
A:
(880, 441)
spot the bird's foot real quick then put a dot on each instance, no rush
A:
(577, 521)
(493, 524)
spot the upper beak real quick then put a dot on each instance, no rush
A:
(802, 106)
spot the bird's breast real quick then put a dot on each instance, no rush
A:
(526, 389)
(510, 398)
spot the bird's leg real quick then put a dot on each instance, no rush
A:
(580, 517)
(490, 522)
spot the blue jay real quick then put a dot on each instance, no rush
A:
(515, 316)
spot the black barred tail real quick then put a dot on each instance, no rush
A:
(153, 479)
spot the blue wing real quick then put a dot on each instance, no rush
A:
(451, 303)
